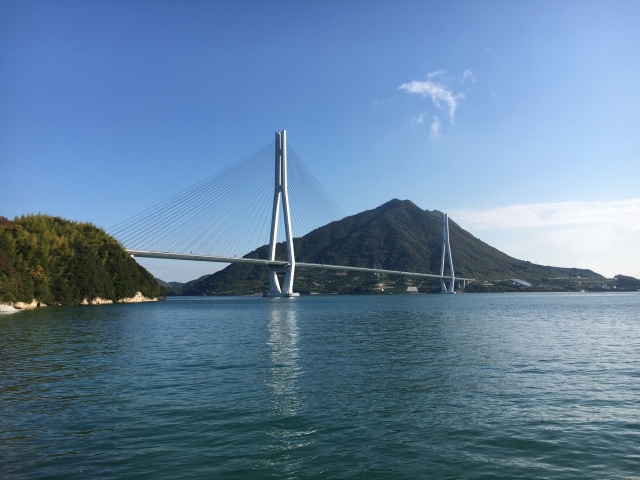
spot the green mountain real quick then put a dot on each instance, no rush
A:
(627, 283)
(53, 260)
(395, 236)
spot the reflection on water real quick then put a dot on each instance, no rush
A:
(283, 341)
(289, 432)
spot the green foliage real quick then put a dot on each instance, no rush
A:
(54, 260)
(627, 283)
(395, 236)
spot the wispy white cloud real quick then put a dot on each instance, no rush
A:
(587, 226)
(384, 101)
(556, 214)
(420, 118)
(468, 76)
(601, 236)
(441, 96)
(435, 127)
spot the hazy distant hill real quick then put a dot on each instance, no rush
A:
(396, 236)
(162, 283)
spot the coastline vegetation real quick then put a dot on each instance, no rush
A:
(56, 261)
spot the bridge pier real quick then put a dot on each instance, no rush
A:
(281, 191)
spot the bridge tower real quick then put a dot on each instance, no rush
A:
(281, 192)
(446, 251)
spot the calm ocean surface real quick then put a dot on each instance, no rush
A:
(398, 386)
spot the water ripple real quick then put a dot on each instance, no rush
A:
(465, 386)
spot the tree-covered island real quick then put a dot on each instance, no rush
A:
(49, 260)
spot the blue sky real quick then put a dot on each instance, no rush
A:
(520, 119)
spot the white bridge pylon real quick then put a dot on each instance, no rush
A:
(281, 192)
(446, 251)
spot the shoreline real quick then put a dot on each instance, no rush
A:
(613, 292)
(14, 307)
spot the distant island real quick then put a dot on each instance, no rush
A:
(47, 260)
(398, 235)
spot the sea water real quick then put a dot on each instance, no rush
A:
(386, 386)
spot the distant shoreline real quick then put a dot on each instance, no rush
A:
(7, 308)
(614, 292)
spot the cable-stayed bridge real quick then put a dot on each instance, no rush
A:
(234, 211)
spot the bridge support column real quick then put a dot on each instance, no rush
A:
(281, 192)
(446, 251)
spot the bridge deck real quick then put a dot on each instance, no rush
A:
(277, 263)
(377, 270)
(205, 258)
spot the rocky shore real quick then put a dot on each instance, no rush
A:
(12, 307)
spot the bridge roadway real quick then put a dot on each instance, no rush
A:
(283, 264)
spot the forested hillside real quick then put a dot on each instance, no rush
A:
(53, 260)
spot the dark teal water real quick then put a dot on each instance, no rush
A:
(463, 386)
